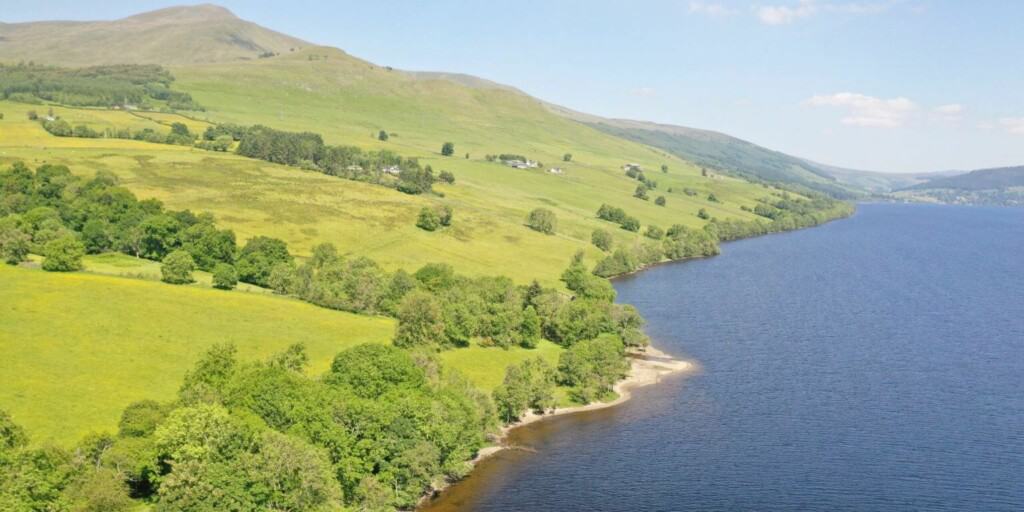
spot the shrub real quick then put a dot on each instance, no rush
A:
(177, 268)
(14, 242)
(601, 239)
(63, 254)
(448, 149)
(660, 201)
(631, 224)
(654, 232)
(702, 213)
(382, 136)
(641, 192)
(224, 276)
(542, 220)
(428, 219)
(567, 157)
(446, 177)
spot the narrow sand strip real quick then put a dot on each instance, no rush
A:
(646, 368)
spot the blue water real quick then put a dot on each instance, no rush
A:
(875, 363)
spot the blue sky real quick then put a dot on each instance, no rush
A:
(889, 85)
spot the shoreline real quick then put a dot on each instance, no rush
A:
(646, 368)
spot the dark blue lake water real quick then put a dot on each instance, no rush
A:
(875, 363)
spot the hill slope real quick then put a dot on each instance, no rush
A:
(982, 179)
(728, 154)
(1000, 187)
(176, 35)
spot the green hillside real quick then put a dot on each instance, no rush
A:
(729, 154)
(200, 33)
(88, 345)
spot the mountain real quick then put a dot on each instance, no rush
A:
(982, 179)
(722, 152)
(175, 35)
(1001, 187)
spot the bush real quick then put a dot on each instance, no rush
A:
(567, 157)
(641, 192)
(601, 239)
(631, 224)
(177, 268)
(224, 276)
(258, 258)
(703, 214)
(660, 201)
(63, 254)
(654, 232)
(382, 136)
(428, 219)
(542, 220)
(448, 149)
(446, 177)
(14, 242)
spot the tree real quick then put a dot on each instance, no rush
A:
(654, 232)
(446, 177)
(420, 321)
(382, 136)
(567, 157)
(371, 370)
(428, 219)
(177, 268)
(591, 367)
(14, 242)
(660, 201)
(542, 220)
(713, 198)
(703, 172)
(664, 168)
(444, 214)
(528, 385)
(601, 239)
(258, 258)
(641, 192)
(448, 149)
(63, 254)
(224, 276)
(630, 224)
(702, 213)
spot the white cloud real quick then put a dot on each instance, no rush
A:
(644, 91)
(1014, 125)
(782, 14)
(785, 14)
(950, 113)
(715, 10)
(863, 110)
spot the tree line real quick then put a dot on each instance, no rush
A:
(139, 86)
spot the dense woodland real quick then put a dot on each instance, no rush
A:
(382, 427)
(124, 85)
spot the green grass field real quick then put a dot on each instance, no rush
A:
(77, 348)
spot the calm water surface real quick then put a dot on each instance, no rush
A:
(876, 363)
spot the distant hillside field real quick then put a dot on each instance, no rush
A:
(88, 345)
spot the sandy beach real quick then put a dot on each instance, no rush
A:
(646, 368)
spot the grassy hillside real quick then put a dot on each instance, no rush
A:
(88, 345)
(729, 154)
(490, 200)
(983, 179)
(202, 33)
